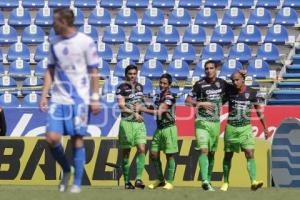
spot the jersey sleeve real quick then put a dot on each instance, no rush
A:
(169, 100)
(228, 87)
(196, 88)
(92, 58)
(120, 91)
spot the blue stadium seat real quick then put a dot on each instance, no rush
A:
(85, 4)
(153, 17)
(19, 68)
(260, 17)
(128, 50)
(2, 70)
(147, 85)
(114, 35)
(120, 67)
(296, 59)
(59, 3)
(168, 34)
(163, 4)
(222, 34)
(33, 35)
(8, 100)
(258, 68)
(179, 69)
(199, 71)
(32, 81)
(229, 67)
(268, 3)
(295, 68)
(7, 82)
(126, 17)
(41, 52)
(33, 3)
(99, 17)
(240, 52)
(157, 51)
(111, 3)
(8, 35)
(152, 69)
(44, 17)
(31, 101)
(104, 69)
(19, 17)
(1, 56)
(277, 34)
(206, 17)
(79, 17)
(40, 68)
(286, 16)
(291, 3)
(140, 35)
(90, 31)
(186, 52)
(1, 19)
(213, 51)
(105, 52)
(189, 3)
(216, 3)
(250, 35)
(109, 100)
(110, 85)
(288, 85)
(242, 4)
(234, 17)
(179, 17)
(137, 3)
(9, 4)
(52, 34)
(268, 52)
(18, 51)
(286, 94)
(195, 34)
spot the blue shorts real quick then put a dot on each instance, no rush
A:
(69, 120)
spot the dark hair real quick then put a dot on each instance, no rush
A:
(66, 14)
(168, 77)
(243, 75)
(130, 67)
(211, 62)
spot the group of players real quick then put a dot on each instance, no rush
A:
(72, 76)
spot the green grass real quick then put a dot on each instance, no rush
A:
(118, 193)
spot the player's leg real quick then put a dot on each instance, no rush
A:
(251, 167)
(214, 132)
(126, 168)
(226, 170)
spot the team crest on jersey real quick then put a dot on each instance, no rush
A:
(247, 95)
(138, 87)
(218, 84)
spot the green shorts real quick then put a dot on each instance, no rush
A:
(165, 140)
(131, 134)
(238, 138)
(207, 135)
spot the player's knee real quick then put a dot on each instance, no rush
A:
(249, 154)
(228, 156)
(154, 155)
(52, 139)
(204, 151)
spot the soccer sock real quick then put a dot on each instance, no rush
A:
(140, 165)
(158, 169)
(59, 155)
(251, 166)
(203, 163)
(125, 168)
(79, 161)
(170, 170)
(226, 170)
(210, 168)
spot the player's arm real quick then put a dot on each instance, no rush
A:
(124, 109)
(157, 112)
(189, 101)
(48, 79)
(95, 104)
(260, 114)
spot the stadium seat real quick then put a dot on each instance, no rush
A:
(288, 85)
(222, 34)
(32, 81)
(108, 101)
(195, 34)
(157, 51)
(179, 69)
(286, 16)
(152, 69)
(41, 67)
(240, 52)
(19, 17)
(8, 35)
(1, 19)
(199, 71)
(258, 68)
(2, 70)
(119, 70)
(8, 100)
(33, 35)
(126, 17)
(79, 17)
(104, 69)
(213, 51)
(147, 85)
(291, 3)
(229, 67)
(168, 34)
(179, 17)
(90, 31)
(44, 17)
(216, 3)
(277, 34)
(31, 101)
(129, 50)
(19, 68)
(189, 3)
(114, 35)
(242, 4)
(7, 82)
(52, 34)
(233, 17)
(33, 3)
(250, 35)
(9, 4)
(268, 52)
(41, 52)
(99, 17)
(206, 17)
(1, 56)
(260, 17)
(140, 35)
(286, 94)
(18, 51)
(163, 4)
(111, 3)
(104, 51)
(153, 17)
(85, 3)
(110, 85)
(137, 3)
(186, 52)
(295, 68)
(59, 3)
(268, 3)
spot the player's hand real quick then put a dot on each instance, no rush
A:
(138, 108)
(95, 107)
(43, 104)
(138, 117)
(207, 106)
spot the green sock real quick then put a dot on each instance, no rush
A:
(203, 163)
(226, 170)
(251, 166)
(140, 165)
(158, 169)
(170, 170)
(125, 167)
(210, 168)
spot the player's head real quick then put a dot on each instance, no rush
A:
(210, 68)
(63, 19)
(131, 73)
(238, 79)
(165, 82)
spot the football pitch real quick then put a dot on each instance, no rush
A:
(118, 193)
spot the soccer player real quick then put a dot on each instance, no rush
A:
(72, 72)
(165, 136)
(238, 133)
(132, 131)
(210, 94)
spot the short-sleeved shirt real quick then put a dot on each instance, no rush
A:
(213, 92)
(240, 105)
(167, 118)
(133, 94)
(70, 58)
